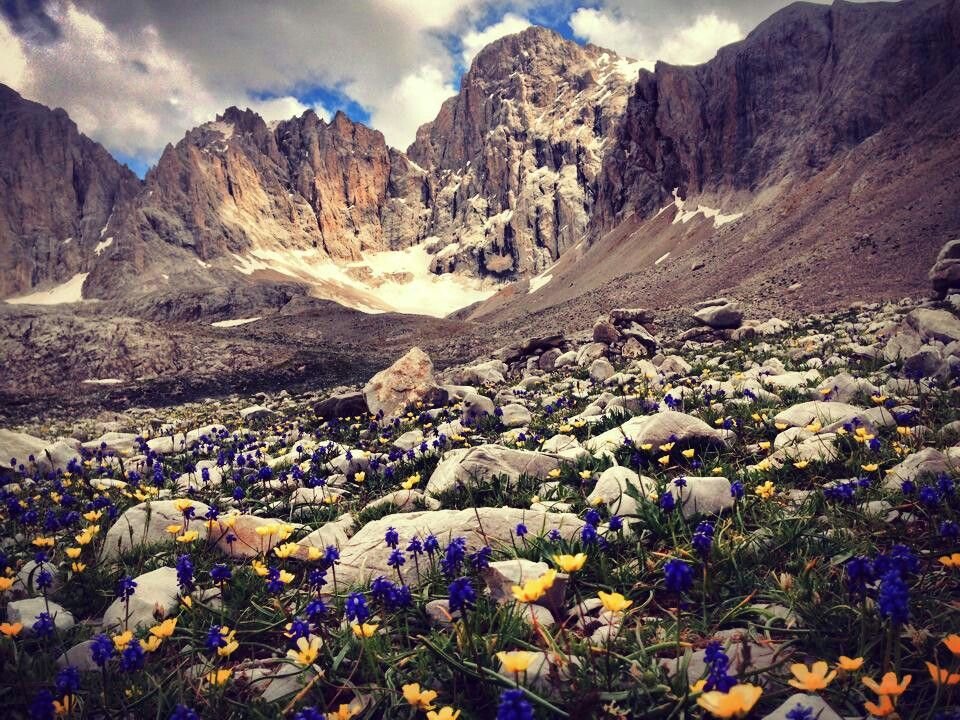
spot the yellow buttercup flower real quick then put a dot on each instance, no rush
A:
(689, 453)
(734, 704)
(344, 712)
(6, 583)
(164, 629)
(218, 677)
(445, 713)
(801, 464)
(883, 707)
(365, 630)
(586, 474)
(664, 460)
(188, 537)
(174, 529)
(285, 550)
(533, 590)
(888, 684)
(11, 629)
(78, 567)
(515, 661)
(122, 640)
(849, 664)
(314, 554)
(74, 552)
(942, 676)
(306, 652)
(410, 481)
(766, 490)
(553, 474)
(285, 577)
(151, 644)
(950, 561)
(182, 504)
(870, 467)
(570, 563)
(813, 678)
(268, 529)
(359, 477)
(764, 444)
(952, 642)
(421, 699)
(614, 602)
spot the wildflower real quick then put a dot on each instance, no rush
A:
(410, 481)
(942, 676)
(953, 644)
(359, 477)
(445, 713)
(718, 663)
(44, 626)
(42, 707)
(74, 552)
(420, 699)
(285, 550)
(813, 678)
(766, 490)
(364, 630)
(850, 664)
(356, 608)
(515, 661)
(221, 573)
(68, 680)
(11, 629)
(533, 590)
(182, 712)
(870, 467)
(78, 567)
(800, 712)
(733, 704)
(888, 684)
(132, 658)
(614, 602)
(218, 677)
(396, 559)
(514, 706)
(188, 537)
(391, 537)
(678, 575)
(703, 539)
(151, 644)
(344, 712)
(883, 707)
(102, 649)
(570, 563)
(164, 629)
(307, 651)
(950, 561)
(126, 587)
(462, 594)
(893, 598)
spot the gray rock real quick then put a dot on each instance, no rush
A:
(601, 370)
(703, 495)
(156, 596)
(28, 610)
(465, 466)
(146, 524)
(476, 406)
(720, 316)
(934, 324)
(590, 352)
(605, 331)
(348, 404)
(548, 359)
(408, 380)
(515, 415)
(256, 413)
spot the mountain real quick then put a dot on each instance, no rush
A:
(809, 165)
(58, 189)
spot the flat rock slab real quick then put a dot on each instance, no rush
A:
(476, 465)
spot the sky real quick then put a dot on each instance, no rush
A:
(137, 74)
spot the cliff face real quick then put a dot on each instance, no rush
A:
(806, 85)
(514, 157)
(57, 190)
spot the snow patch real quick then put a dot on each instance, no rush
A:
(661, 258)
(233, 323)
(390, 281)
(67, 241)
(202, 263)
(685, 216)
(102, 381)
(69, 292)
(102, 245)
(538, 282)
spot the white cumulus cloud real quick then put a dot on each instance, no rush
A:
(475, 40)
(414, 101)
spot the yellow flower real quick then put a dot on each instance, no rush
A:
(888, 684)
(586, 474)
(849, 664)
(228, 649)
(953, 644)
(764, 445)
(285, 577)
(565, 428)
(647, 447)
(766, 490)
(815, 427)
(122, 640)
(6, 583)
(43, 542)
(813, 678)
(614, 602)
(410, 481)
(64, 706)
(174, 529)
(515, 661)
(879, 399)
(285, 550)
(870, 467)
(164, 629)
(950, 561)
(268, 529)
(780, 426)
(942, 676)
(360, 476)
(689, 453)
(78, 567)
(445, 713)
(734, 704)
(259, 568)
(151, 644)
(553, 474)
(880, 709)
(664, 460)
(218, 677)
(533, 590)
(570, 563)
(666, 447)
(365, 630)
(182, 504)
(93, 515)
(422, 699)
(188, 537)
(314, 554)
(74, 552)
(11, 629)
(344, 712)
(307, 652)
(801, 464)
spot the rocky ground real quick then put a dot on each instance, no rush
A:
(734, 517)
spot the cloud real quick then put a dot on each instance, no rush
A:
(689, 44)
(475, 40)
(414, 101)
(13, 61)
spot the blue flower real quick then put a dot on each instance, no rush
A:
(68, 680)
(309, 713)
(462, 594)
(736, 489)
(331, 555)
(616, 523)
(396, 558)
(667, 503)
(132, 658)
(126, 587)
(101, 649)
(392, 537)
(592, 517)
(356, 608)
(929, 496)
(182, 712)
(859, 574)
(315, 608)
(431, 544)
(481, 558)
(453, 557)
(949, 530)
(185, 573)
(588, 535)
(717, 664)
(893, 599)
(521, 530)
(44, 626)
(703, 539)
(44, 579)
(415, 547)
(42, 706)
(800, 712)
(678, 575)
(221, 573)
(514, 706)
(298, 628)
(215, 639)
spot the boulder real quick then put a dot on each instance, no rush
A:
(612, 487)
(237, 535)
(515, 415)
(464, 466)
(945, 274)
(146, 524)
(349, 404)
(156, 596)
(702, 495)
(28, 611)
(923, 464)
(803, 414)
(20, 447)
(335, 533)
(719, 316)
(476, 406)
(410, 379)
(601, 370)
(605, 331)
(365, 555)
(119, 442)
(931, 324)
(256, 413)
(492, 372)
